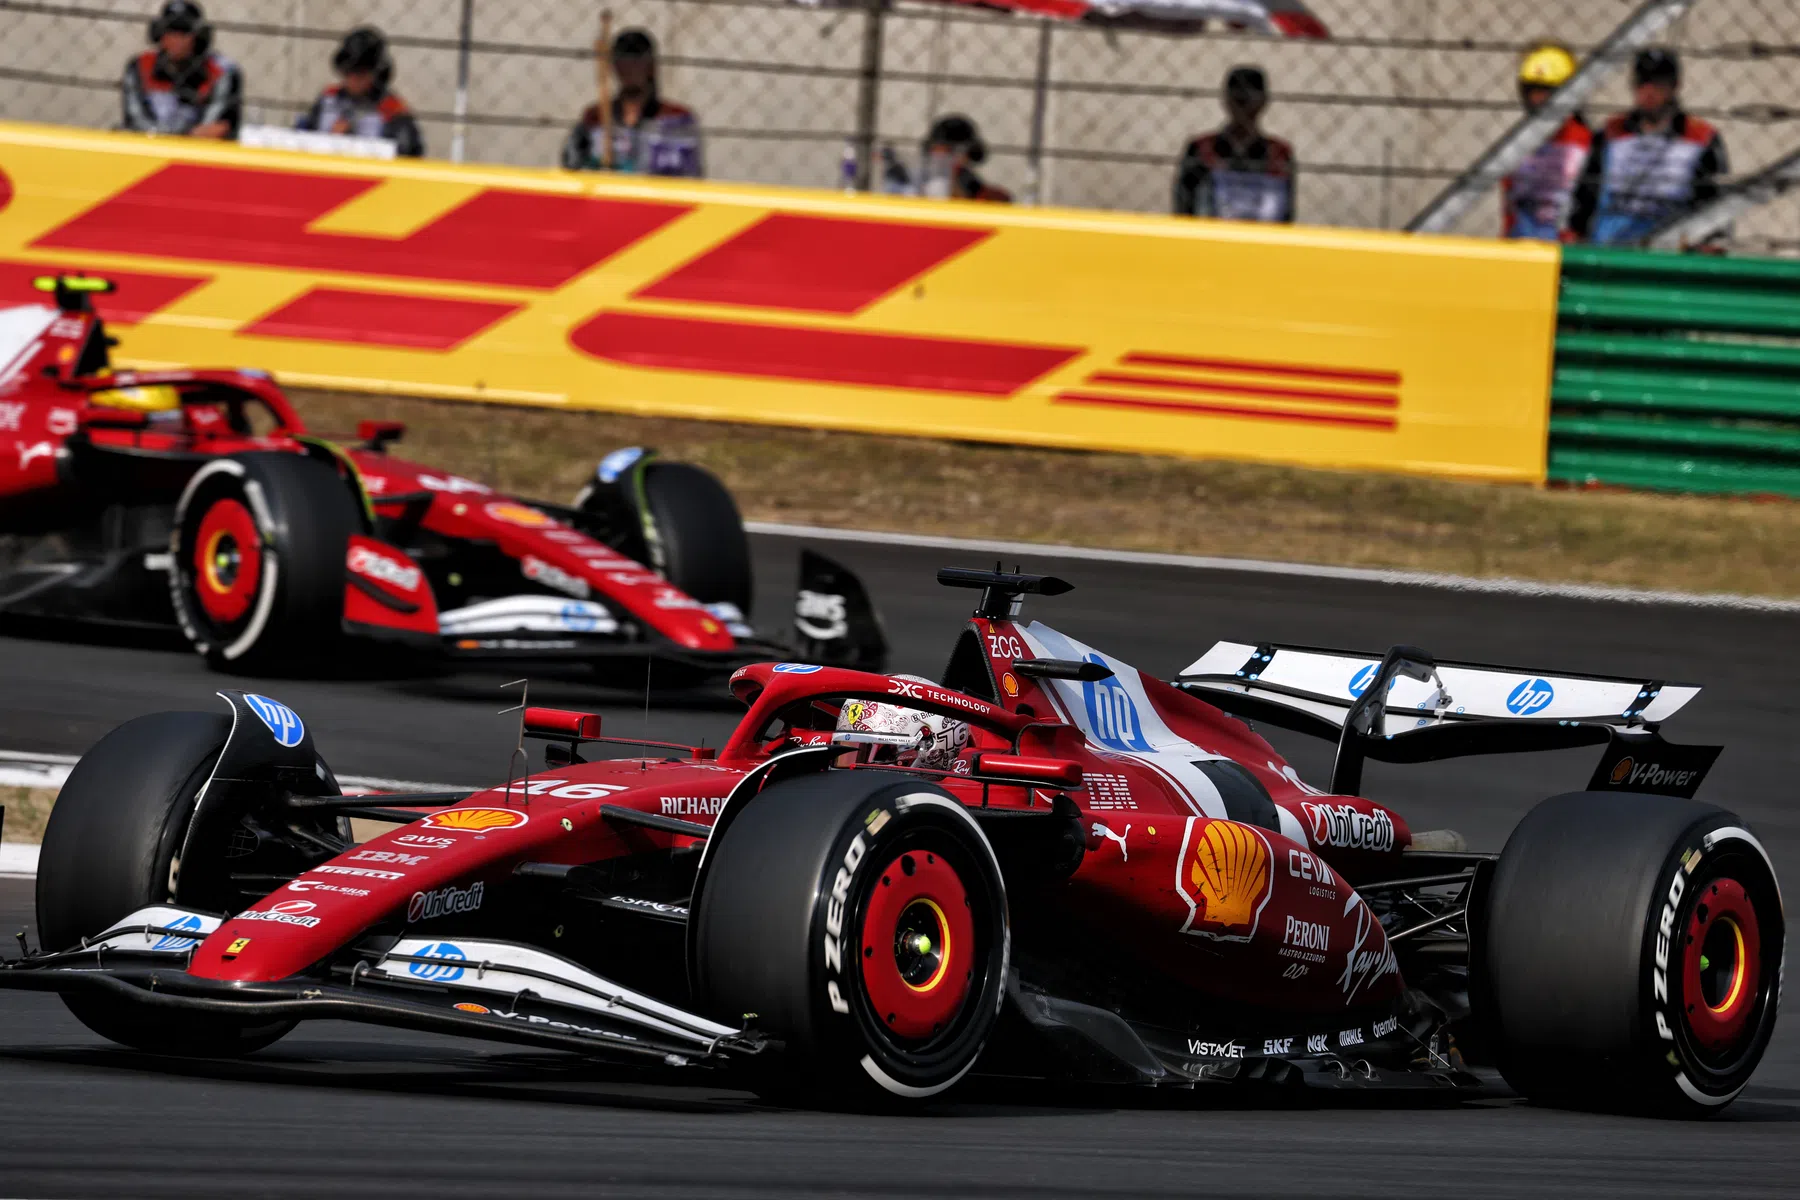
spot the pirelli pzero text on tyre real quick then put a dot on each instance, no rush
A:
(257, 560)
(112, 846)
(1632, 954)
(703, 550)
(862, 919)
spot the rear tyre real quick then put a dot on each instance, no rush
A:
(112, 846)
(257, 571)
(862, 920)
(705, 551)
(1632, 955)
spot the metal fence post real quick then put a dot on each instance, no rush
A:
(460, 126)
(868, 94)
(1040, 99)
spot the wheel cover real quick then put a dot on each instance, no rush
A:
(917, 944)
(227, 561)
(1722, 965)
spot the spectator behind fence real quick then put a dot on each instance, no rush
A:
(650, 135)
(948, 156)
(1536, 197)
(1238, 173)
(181, 85)
(1650, 165)
(363, 103)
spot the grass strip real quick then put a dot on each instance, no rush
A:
(1126, 502)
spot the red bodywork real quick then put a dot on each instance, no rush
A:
(1235, 911)
(51, 393)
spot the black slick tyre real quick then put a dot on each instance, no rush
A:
(112, 846)
(862, 920)
(1632, 953)
(702, 545)
(257, 560)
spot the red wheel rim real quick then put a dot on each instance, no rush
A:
(1722, 964)
(227, 561)
(918, 945)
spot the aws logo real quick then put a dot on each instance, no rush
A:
(521, 244)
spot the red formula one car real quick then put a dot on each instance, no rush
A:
(1048, 863)
(197, 499)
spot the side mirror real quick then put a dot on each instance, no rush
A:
(375, 435)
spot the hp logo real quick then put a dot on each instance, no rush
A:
(442, 971)
(171, 942)
(1113, 718)
(1359, 682)
(283, 722)
(1529, 697)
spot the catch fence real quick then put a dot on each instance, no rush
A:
(1401, 98)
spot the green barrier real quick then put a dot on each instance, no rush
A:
(1677, 373)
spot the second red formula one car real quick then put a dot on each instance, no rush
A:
(197, 498)
(1048, 863)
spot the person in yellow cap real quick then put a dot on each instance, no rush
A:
(1535, 198)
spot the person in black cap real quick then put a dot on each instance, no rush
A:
(181, 85)
(650, 135)
(948, 156)
(363, 103)
(1239, 173)
(1650, 165)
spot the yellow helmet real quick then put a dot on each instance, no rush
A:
(1548, 65)
(156, 397)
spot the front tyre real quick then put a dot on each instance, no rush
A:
(113, 845)
(1632, 954)
(702, 545)
(257, 560)
(862, 920)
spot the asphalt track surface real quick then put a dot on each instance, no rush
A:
(337, 1109)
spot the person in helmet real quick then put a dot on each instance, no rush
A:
(1648, 166)
(1238, 173)
(1535, 198)
(948, 156)
(651, 135)
(363, 102)
(935, 743)
(180, 85)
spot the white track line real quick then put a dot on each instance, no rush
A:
(1256, 566)
(25, 769)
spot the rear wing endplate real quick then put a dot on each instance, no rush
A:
(1437, 710)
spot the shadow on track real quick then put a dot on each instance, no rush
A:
(566, 1081)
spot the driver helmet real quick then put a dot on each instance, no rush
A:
(936, 741)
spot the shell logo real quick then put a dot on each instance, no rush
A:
(1228, 872)
(517, 514)
(475, 820)
(1622, 772)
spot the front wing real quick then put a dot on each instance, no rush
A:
(498, 991)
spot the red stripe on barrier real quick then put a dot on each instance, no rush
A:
(380, 319)
(1226, 410)
(1345, 374)
(812, 264)
(139, 294)
(1381, 399)
(260, 218)
(817, 355)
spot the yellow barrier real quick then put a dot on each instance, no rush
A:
(1310, 346)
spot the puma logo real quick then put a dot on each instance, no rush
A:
(1110, 836)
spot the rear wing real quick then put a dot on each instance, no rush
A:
(1436, 710)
